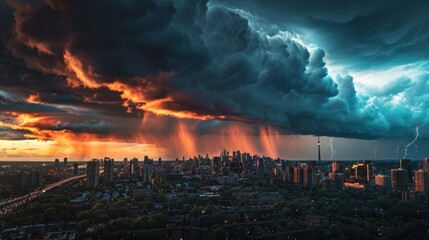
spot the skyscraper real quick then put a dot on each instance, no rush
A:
(57, 163)
(382, 181)
(65, 162)
(422, 181)
(36, 178)
(147, 170)
(108, 170)
(405, 164)
(75, 169)
(426, 165)
(399, 179)
(369, 171)
(307, 175)
(337, 167)
(93, 174)
(159, 174)
(363, 172)
(125, 166)
(337, 179)
(134, 167)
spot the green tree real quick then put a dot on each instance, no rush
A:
(241, 233)
(82, 226)
(49, 214)
(219, 234)
(292, 225)
(334, 231)
(287, 212)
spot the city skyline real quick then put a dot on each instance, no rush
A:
(171, 79)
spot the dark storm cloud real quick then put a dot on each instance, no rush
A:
(363, 34)
(207, 58)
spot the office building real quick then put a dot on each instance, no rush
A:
(405, 164)
(159, 174)
(426, 165)
(125, 166)
(382, 181)
(36, 178)
(422, 181)
(399, 179)
(147, 170)
(134, 167)
(75, 169)
(307, 175)
(337, 179)
(108, 170)
(93, 174)
(337, 167)
(65, 162)
(289, 174)
(363, 172)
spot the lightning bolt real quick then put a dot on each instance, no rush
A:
(411, 143)
(331, 145)
(399, 145)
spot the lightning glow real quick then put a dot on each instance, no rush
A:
(411, 143)
(331, 145)
(398, 146)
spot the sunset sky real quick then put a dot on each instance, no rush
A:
(83, 79)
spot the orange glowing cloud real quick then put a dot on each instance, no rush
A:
(130, 94)
(34, 98)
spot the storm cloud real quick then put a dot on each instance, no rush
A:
(214, 61)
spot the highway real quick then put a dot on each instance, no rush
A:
(10, 204)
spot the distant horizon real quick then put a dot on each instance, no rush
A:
(172, 160)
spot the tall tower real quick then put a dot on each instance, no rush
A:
(318, 147)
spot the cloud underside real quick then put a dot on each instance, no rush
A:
(100, 67)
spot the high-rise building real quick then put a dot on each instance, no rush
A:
(399, 179)
(337, 167)
(382, 181)
(65, 162)
(36, 178)
(93, 173)
(359, 172)
(108, 170)
(216, 165)
(369, 171)
(307, 175)
(125, 166)
(159, 174)
(32, 179)
(363, 172)
(236, 165)
(422, 181)
(337, 179)
(426, 165)
(260, 165)
(134, 167)
(298, 175)
(75, 169)
(405, 164)
(24, 179)
(147, 170)
(289, 174)
(57, 163)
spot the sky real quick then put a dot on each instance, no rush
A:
(169, 78)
